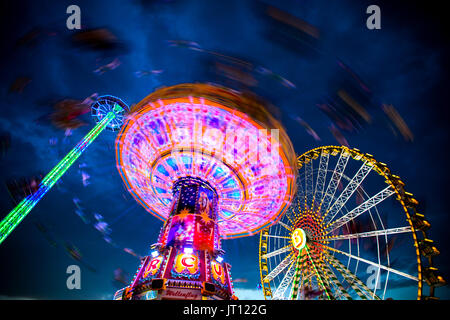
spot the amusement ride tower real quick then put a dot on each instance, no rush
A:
(108, 112)
(211, 163)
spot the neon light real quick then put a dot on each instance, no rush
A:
(218, 272)
(10, 222)
(152, 267)
(186, 263)
(318, 274)
(241, 159)
(155, 254)
(298, 239)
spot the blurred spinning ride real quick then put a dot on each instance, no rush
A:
(108, 111)
(342, 239)
(211, 163)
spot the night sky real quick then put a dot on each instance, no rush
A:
(404, 64)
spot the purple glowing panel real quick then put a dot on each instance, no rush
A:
(173, 138)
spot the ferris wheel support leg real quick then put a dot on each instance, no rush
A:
(334, 281)
(328, 278)
(298, 276)
(319, 277)
(12, 220)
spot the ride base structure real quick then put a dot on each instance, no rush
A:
(187, 261)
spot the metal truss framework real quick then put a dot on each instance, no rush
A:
(321, 178)
(363, 207)
(376, 233)
(334, 182)
(287, 279)
(279, 268)
(348, 191)
(322, 201)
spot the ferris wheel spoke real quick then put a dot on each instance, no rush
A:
(307, 279)
(321, 177)
(337, 291)
(287, 214)
(298, 278)
(309, 183)
(400, 273)
(277, 252)
(363, 207)
(300, 186)
(338, 287)
(284, 225)
(275, 236)
(334, 181)
(287, 279)
(357, 285)
(351, 187)
(279, 268)
(318, 275)
(367, 234)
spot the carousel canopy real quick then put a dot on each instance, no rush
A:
(223, 137)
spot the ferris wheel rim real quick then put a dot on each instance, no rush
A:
(404, 198)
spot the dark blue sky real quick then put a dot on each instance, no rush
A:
(404, 64)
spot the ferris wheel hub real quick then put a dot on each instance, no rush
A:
(299, 239)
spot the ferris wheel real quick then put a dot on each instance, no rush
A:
(352, 232)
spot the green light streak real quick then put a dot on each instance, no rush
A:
(317, 273)
(296, 279)
(24, 207)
